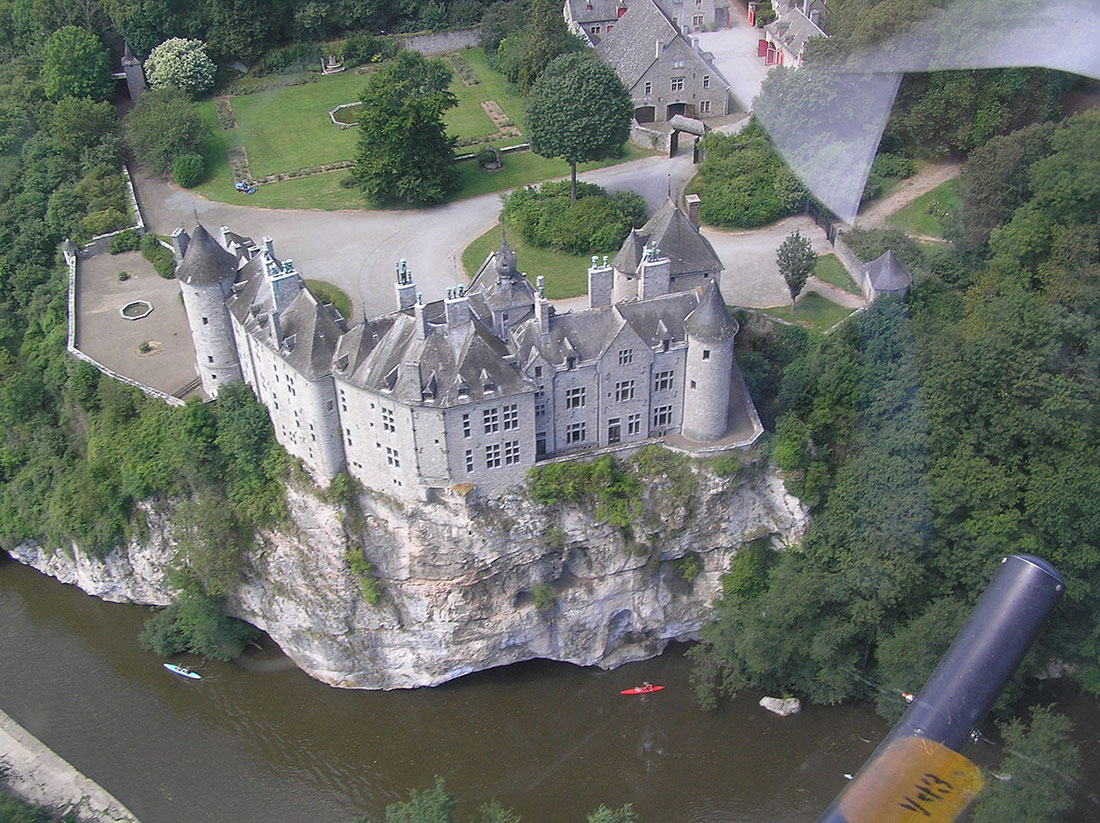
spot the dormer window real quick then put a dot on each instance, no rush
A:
(570, 362)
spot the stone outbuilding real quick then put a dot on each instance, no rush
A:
(885, 275)
(666, 74)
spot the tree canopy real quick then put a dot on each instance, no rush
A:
(796, 258)
(181, 63)
(161, 126)
(75, 64)
(405, 153)
(578, 110)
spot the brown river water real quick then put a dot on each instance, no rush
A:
(257, 740)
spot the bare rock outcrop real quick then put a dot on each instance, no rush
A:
(471, 585)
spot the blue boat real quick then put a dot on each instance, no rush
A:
(183, 671)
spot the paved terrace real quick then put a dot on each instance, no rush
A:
(107, 337)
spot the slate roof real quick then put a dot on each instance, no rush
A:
(205, 262)
(888, 274)
(676, 237)
(601, 10)
(711, 321)
(792, 30)
(629, 47)
(309, 335)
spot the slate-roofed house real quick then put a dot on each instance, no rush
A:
(885, 275)
(787, 35)
(475, 388)
(666, 74)
(595, 19)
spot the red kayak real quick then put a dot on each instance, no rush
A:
(648, 688)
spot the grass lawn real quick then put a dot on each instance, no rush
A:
(830, 270)
(923, 215)
(328, 293)
(812, 312)
(289, 128)
(566, 274)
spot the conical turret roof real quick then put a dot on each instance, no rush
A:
(711, 321)
(887, 273)
(205, 262)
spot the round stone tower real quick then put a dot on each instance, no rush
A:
(206, 275)
(709, 374)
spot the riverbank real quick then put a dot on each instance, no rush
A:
(34, 773)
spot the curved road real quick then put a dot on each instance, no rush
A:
(356, 250)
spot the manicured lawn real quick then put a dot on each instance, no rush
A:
(830, 270)
(469, 119)
(812, 312)
(923, 215)
(328, 293)
(566, 274)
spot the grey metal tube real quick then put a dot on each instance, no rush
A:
(983, 656)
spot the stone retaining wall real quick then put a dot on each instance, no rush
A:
(37, 775)
(439, 42)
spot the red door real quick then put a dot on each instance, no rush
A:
(762, 48)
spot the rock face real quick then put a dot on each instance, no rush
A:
(459, 578)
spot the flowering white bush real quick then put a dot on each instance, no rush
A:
(181, 63)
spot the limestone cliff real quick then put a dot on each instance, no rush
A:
(459, 578)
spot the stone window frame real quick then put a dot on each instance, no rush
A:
(511, 452)
(634, 424)
(490, 420)
(511, 417)
(624, 391)
(492, 455)
(626, 357)
(704, 107)
(648, 87)
(392, 457)
(662, 417)
(575, 397)
(664, 380)
(469, 461)
(676, 84)
(706, 81)
(389, 423)
(466, 428)
(576, 433)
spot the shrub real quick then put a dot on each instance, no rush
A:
(124, 241)
(195, 624)
(162, 125)
(188, 170)
(689, 566)
(545, 597)
(595, 222)
(363, 569)
(748, 570)
(300, 56)
(744, 182)
(104, 221)
(162, 259)
(366, 49)
(488, 157)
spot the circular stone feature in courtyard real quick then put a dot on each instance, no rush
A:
(136, 310)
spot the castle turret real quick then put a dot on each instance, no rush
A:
(710, 332)
(206, 277)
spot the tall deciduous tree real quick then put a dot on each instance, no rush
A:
(74, 64)
(404, 150)
(161, 126)
(434, 805)
(579, 110)
(796, 259)
(181, 63)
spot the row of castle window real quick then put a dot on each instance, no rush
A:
(492, 420)
(677, 83)
(624, 391)
(494, 456)
(578, 432)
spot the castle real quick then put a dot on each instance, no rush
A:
(474, 389)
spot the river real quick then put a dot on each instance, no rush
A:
(257, 740)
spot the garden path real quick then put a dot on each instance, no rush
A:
(908, 190)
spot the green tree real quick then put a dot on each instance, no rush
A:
(796, 258)
(161, 126)
(624, 814)
(1033, 782)
(493, 812)
(76, 124)
(75, 64)
(181, 63)
(404, 151)
(578, 110)
(432, 805)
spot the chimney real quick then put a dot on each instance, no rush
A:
(693, 201)
(695, 44)
(601, 279)
(654, 274)
(406, 290)
(542, 308)
(421, 317)
(456, 307)
(180, 239)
